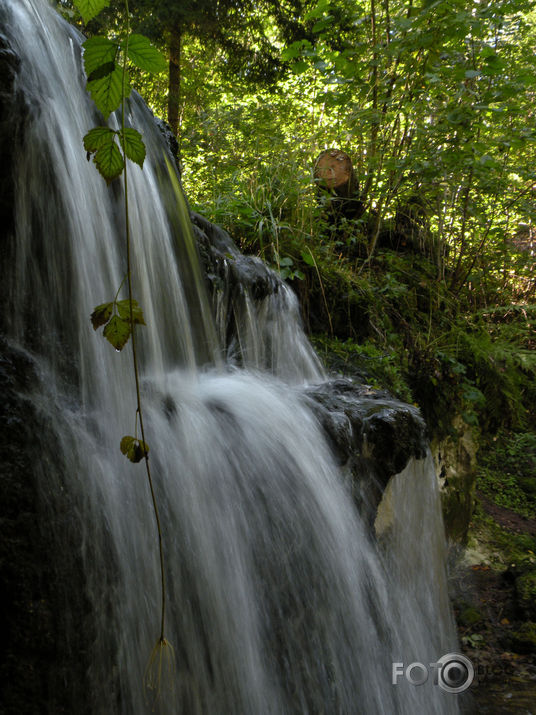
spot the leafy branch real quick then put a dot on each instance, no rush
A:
(105, 63)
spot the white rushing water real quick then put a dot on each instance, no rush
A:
(278, 599)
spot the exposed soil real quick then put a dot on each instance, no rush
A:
(488, 617)
(507, 518)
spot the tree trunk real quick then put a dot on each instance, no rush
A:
(174, 87)
(334, 172)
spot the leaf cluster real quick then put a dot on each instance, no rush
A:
(108, 83)
(118, 317)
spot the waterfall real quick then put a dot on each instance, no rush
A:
(279, 599)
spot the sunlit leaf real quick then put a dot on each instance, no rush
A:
(101, 315)
(292, 51)
(97, 138)
(107, 91)
(134, 146)
(123, 308)
(98, 51)
(109, 161)
(117, 332)
(144, 55)
(90, 8)
(299, 67)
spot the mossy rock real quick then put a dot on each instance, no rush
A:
(524, 640)
(526, 593)
(470, 616)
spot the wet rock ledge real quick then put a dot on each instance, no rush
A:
(372, 435)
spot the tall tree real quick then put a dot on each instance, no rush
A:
(237, 26)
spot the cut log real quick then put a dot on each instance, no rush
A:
(334, 172)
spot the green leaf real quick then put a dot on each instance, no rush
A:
(90, 8)
(123, 308)
(323, 24)
(308, 258)
(102, 71)
(97, 138)
(293, 50)
(101, 315)
(98, 51)
(144, 55)
(117, 332)
(299, 67)
(109, 161)
(107, 91)
(134, 449)
(133, 145)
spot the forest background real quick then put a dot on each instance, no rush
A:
(424, 283)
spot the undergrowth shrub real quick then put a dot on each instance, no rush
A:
(507, 471)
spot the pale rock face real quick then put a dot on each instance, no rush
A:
(455, 464)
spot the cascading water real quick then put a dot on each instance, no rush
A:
(278, 599)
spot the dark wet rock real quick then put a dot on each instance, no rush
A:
(231, 277)
(372, 435)
(39, 670)
(227, 268)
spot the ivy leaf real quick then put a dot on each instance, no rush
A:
(98, 51)
(144, 55)
(134, 449)
(98, 138)
(107, 91)
(90, 8)
(101, 315)
(123, 308)
(109, 161)
(133, 145)
(117, 332)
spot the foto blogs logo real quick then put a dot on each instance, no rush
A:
(453, 673)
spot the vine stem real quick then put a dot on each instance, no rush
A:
(139, 410)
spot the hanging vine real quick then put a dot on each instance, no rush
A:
(106, 62)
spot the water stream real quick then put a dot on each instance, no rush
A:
(279, 600)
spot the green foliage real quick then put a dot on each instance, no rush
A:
(100, 142)
(117, 332)
(91, 8)
(506, 548)
(524, 639)
(107, 91)
(99, 52)
(101, 315)
(142, 53)
(381, 369)
(133, 145)
(134, 449)
(507, 471)
(108, 79)
(116, 318)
